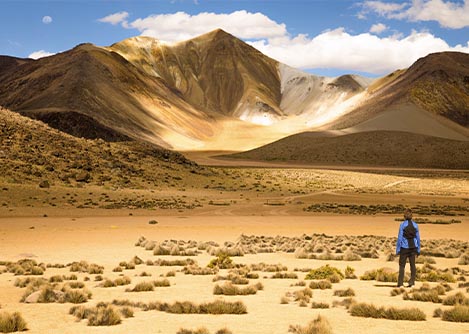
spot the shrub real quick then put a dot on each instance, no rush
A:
(161, 283)
(391, 313)
(223, 307)
(303, 296)
(76, 285)
(325, 272)
(464, 259)
(456, 299)
(397, 291)
(196, 270)
(12, 322)
(351, 256)
(222, 261)
(279, 275)
(127, 312)
(152, 222)
(201, 330)
(381, 275)
(104, 316)
(324, 284)
(350, 273)
(424, 296)
(344, 293)
(76, 296)
(459, 313)
(319, 305)
(142, 286)
(318, 326)
(284, 300)
(229, 289)
(270, 268)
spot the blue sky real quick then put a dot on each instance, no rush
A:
(324, 37)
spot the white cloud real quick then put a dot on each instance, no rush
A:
(363, 52)
(47, 19)
(448, 14)
(40, 54)
(334, 49)
(180, 25)
(115, 18)
(378, 28)
(382, 8)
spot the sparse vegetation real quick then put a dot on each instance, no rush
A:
(101, 315)
(391, 313)
(325, 272)
(318, 326)
(229, 289)
(12, 322)
(459, 313)
(344, 293)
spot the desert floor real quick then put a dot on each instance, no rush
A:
(109, 240)
(101, 225)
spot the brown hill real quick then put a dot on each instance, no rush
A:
(93, 93)
(31, 152)
(437, 83)
(213, 72)
(376, 148)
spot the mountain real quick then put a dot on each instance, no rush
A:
(216, 92)
(437, 83)
(210, 92)
(213, 72)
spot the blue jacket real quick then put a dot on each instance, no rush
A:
(402, 242)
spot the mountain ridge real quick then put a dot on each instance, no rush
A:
(217, 92)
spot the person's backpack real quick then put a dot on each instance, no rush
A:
(410, 233)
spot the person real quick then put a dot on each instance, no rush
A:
(408, 247)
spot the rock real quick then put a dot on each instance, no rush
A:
(44, 184)
(83, 177)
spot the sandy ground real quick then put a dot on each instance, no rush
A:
(109, 240)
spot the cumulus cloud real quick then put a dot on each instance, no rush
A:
(115, 18)
(40, 54)
(332, 49)
(448, 14)
(378, 28)
(363, 52)
(47, 19)
(180, 25)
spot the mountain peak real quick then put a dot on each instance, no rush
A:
(216, 35)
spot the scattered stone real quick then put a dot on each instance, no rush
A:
(44, 184)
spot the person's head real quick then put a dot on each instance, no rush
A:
(408, 214)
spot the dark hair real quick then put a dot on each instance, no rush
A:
(408, 214)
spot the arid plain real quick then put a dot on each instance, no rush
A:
(276, 224)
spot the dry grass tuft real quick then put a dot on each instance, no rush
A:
(101, 315)
(459, 313)
(380, 275)
(318, 326)
(13, 322)
(229, 289)
(319, 305)
(322, 285)
(457, 299)
(391, 313)
(345, 293)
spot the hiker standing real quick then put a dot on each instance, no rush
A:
(408, 246)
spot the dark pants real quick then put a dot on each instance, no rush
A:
(407, 253)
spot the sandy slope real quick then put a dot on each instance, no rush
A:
(107, 241)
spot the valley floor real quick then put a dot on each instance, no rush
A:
(63, 224)
(109, 240)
